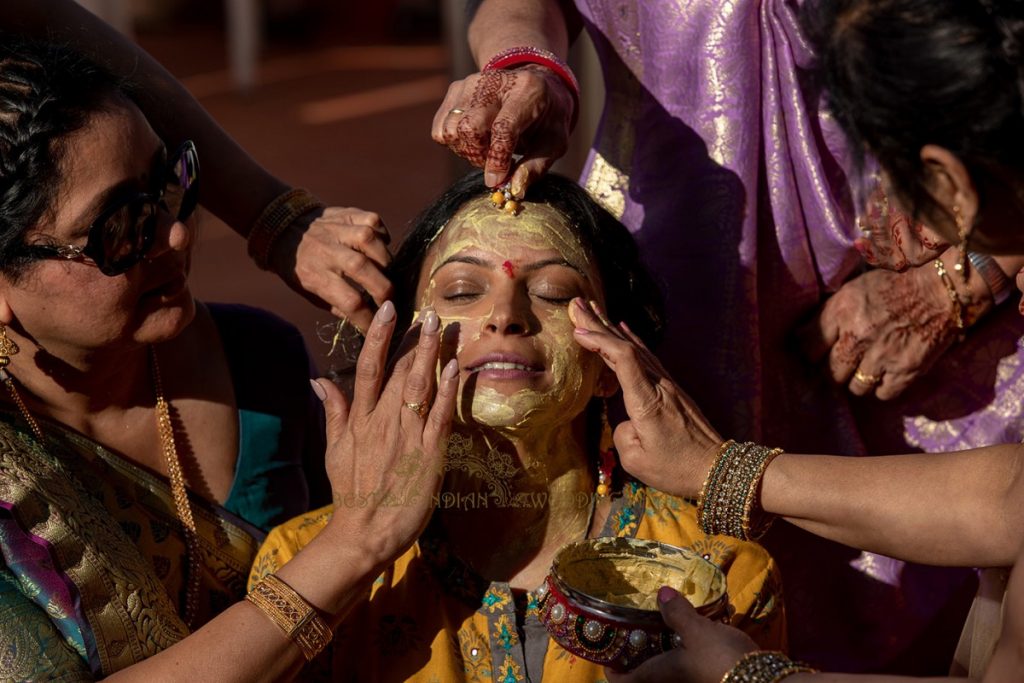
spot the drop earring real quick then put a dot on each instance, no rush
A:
(963, 232)
(9, 348)
(606, 451)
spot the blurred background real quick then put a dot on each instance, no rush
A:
(336, 96)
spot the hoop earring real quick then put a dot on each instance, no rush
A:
(606, 451)
(963, 232)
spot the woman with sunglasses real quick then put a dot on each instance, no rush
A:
(146, 439)
(329, 255)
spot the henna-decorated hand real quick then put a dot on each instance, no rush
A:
(385, 456)
(487, 117)
(883, 330)
(666, 442)
(891, 239)
(707, 649)
(328, 255)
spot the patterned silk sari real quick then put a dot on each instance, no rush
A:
(94, 559)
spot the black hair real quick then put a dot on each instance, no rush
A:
(47, 92)
(901, 74)
(630, 292)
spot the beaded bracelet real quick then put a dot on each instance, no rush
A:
(728, 500)
(947, 282)
(275, 219)
(764, 666)
(515, 56)
(291, 614)
(999, 284)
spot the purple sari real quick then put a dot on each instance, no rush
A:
(712, 149)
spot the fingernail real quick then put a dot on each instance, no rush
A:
(581, 305)
(667, 593)
(386, 313)
(625, 327)
(581, 330)
(451, 370)
(318, 390)
(430, 322)
(492, 179)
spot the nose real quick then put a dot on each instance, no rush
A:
(171, 235)
(510, 315)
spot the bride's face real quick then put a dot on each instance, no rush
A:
(502, 285)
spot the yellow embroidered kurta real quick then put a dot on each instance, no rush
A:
(430, 619)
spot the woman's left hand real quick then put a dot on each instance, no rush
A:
(708, 649)
(883, 330)
(329, 255)
(666, 442)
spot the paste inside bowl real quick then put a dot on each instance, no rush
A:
(628, 572)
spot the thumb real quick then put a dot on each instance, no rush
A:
(335, 407)
(676, 610)
(528, 170)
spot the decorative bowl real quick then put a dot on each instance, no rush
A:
(600, 600)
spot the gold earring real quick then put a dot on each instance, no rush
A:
(606, 451)
(962, 231)
(7, 347)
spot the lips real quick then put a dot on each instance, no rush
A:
(504, 366)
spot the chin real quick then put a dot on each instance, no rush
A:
(167, 322)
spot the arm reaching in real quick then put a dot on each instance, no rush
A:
(956, 509)
(489, 116)
(338, 566)
(318, 251)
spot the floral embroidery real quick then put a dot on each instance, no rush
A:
(476, 654)
(714, 549)
(494, 600)
(505, 634)
(509, 672)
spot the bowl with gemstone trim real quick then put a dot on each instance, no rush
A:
(600, 600)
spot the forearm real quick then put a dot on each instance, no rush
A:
(235, 187)
(243, 644)
(501, 24)
(954, 509)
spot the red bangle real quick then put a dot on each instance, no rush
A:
(515, 56)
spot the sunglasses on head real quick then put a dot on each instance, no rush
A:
(123, 233)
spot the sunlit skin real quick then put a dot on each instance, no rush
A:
(501, 286)
(85, 336)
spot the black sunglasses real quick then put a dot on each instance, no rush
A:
(121, 235)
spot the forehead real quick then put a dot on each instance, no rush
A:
(478, 225)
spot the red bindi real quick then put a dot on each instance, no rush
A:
(509, 269)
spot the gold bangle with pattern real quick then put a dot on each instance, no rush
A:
(275, 219)
(764, 666)
(292, 614)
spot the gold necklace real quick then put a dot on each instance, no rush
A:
(165, 429)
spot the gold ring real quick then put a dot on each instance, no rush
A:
(419, 408)
(456, 111)
(866, 379)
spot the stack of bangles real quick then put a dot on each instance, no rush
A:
(764, 666)
(275, 220)
(518, 56)
(729, 500)
(292, 614)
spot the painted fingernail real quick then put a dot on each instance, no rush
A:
(318, 390)
(386, 313)
(580, 304)
(666, 593)
(430, 322)
(451, 370)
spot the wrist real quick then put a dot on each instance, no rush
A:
(968, 297)
(516, 57)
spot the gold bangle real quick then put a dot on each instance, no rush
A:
(275, 219)
(764, 666)
(291, 614)
(947, 282)
(728, 499)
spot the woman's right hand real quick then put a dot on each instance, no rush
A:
(666, 442)
(487, 117)
(385, 457)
